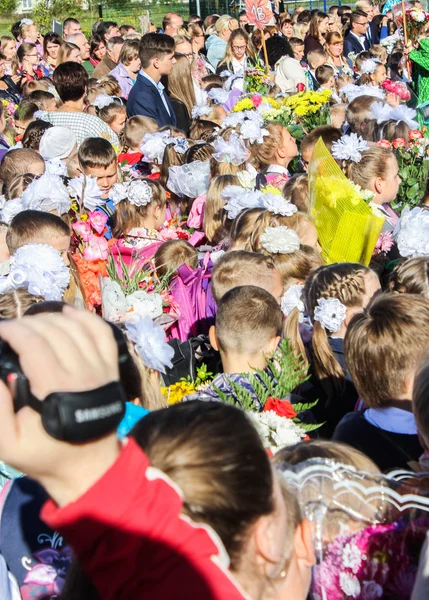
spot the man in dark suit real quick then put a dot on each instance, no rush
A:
(148, 96)
(356, 40)
(372, 32)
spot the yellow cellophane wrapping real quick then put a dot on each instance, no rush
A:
(347, 228)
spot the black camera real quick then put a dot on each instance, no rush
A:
(75, 417)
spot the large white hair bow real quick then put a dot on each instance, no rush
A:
(150, 342)
(47, 193)
(231, 151)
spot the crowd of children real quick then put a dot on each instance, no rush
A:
(254, 227)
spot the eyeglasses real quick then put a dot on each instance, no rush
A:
(189, 55)
(31, 55)
(239, 47)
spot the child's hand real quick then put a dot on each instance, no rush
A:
(393, 99)
(74, 351)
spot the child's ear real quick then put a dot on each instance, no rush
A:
(79, 169)
(272, 346)
(213, 338)
(303, 544)
(378, 185)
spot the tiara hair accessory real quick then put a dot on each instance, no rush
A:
(150, 342)
(86, 191)
(40, 269)
(349, 147)
(26, 22)
(137, 191)
(231, 151)
(47, 193)
(218, 95)
(103, 100)
(201, 110)
(280, 240)
(330, 313)
(369, 66)
(189, 180)
(153, 145)
(412, 232)
(292, 299)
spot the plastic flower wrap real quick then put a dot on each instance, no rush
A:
(40, 269)
(347, 228)
(189, 180)
(368, 529)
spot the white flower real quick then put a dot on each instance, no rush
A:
(47, 193)
(153, 145)
(191, 180)
(349, 147)
(380, 111)
(113, 301)
(149, 339)
(85, 188)
(352, 557)
(10, 209)
(247, 180)
(412, 232)
(369, 66)
(239, 198)
(218, 95)
(201, 110)
(233, 119)
(406, 114)
(118, 193)
(142, 303)
(280, 240)
(139, 192)
(353, 91)
(40, 269)
(292, 299)
(180, 144)
(232, 151)
(371, 590)
(350, 585)
(278, 205)
(252, 131)
(275, 431)
(102, 100)
(330, 313)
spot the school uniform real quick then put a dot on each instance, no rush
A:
(274, 175)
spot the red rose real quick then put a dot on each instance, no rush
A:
(300, 87)
(283, 408)
(256, 100)
(399, 143)
(415, 134)
(384, 144)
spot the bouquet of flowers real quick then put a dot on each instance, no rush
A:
(256, 80)
(412, 156)
(397, 87)
(285, 116)
(177, 391)
(253, 102)
(310, 108)
(416, 21)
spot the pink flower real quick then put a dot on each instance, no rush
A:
(98, 220)
(399, 143)
(256, 100)
(167, 234)
(97, 249)
(83, 229)
(384, 144)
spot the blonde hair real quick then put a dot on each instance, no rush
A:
(129, 51)
(265, 154)
(368, 78)
(225, 168)
(170, 255)
(346, 283)
(14, 303)
(375, 162)
(223, 23)
(127, 215)
(135, 128)
(229, 54)
(378, 51)
(180, 85)
(359, 112)
(65, 51)
(242, 227)
(296, 191)
(151, 396)
(214, 215)
(110, 86)
(411, 277)
(298, 222)
(420, 400)
(109, 113)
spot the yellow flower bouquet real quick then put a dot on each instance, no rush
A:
(310, 108)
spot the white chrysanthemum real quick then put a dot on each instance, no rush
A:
(352, 557)
(231, 151)
(252, 131)
(350, 585)
(218, 95)
(292, 299)
(139, 192)
(103, 100)
(150, 342)
(113, 300)
(153, 145)
(238, 198)
(349, 147)
(47, 193)
(142, 303)
(280, 240)
(275, 431)
(330, 313)
(412, 233)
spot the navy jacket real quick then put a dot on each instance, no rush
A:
(351, 44)
(145, 100)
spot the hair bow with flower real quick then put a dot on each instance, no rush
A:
(180, 144)
(252, 127)
(231, 151)
(137, 191)
(218, 95)
(238, 199)
(278, 205)
(280, 240)
(86, 191)
(330, 313)
(200, 110)
(150, 342)
(292, 299)
(190, 180)
(55, 166)
(412, 233)
(103, 100)
(40, 269)
(153, 145)
(234, 119)
(26, 21)
(10, 209)
(352, 91)
(349, 147)
(47, 193)
(369, 66)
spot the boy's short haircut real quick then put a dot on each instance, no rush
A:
(384, 344)
(315, 54)
(155, 45)
(17, 162)
(241, 268)
(171, 255)
(328, 134)
(136, 127)
(359, 112)
(295, 42)
(96, 152)
(25, 111)
(247, 318)
(30, 225)
(324, 74)
(71, 81)
(40, 97)
(420, 400)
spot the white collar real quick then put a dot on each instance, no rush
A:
(361, 38)
(393, 419)
(278, 169)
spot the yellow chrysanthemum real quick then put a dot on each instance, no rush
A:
(176, 392)
(270, 189)
(301, 111)
(245, 104)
